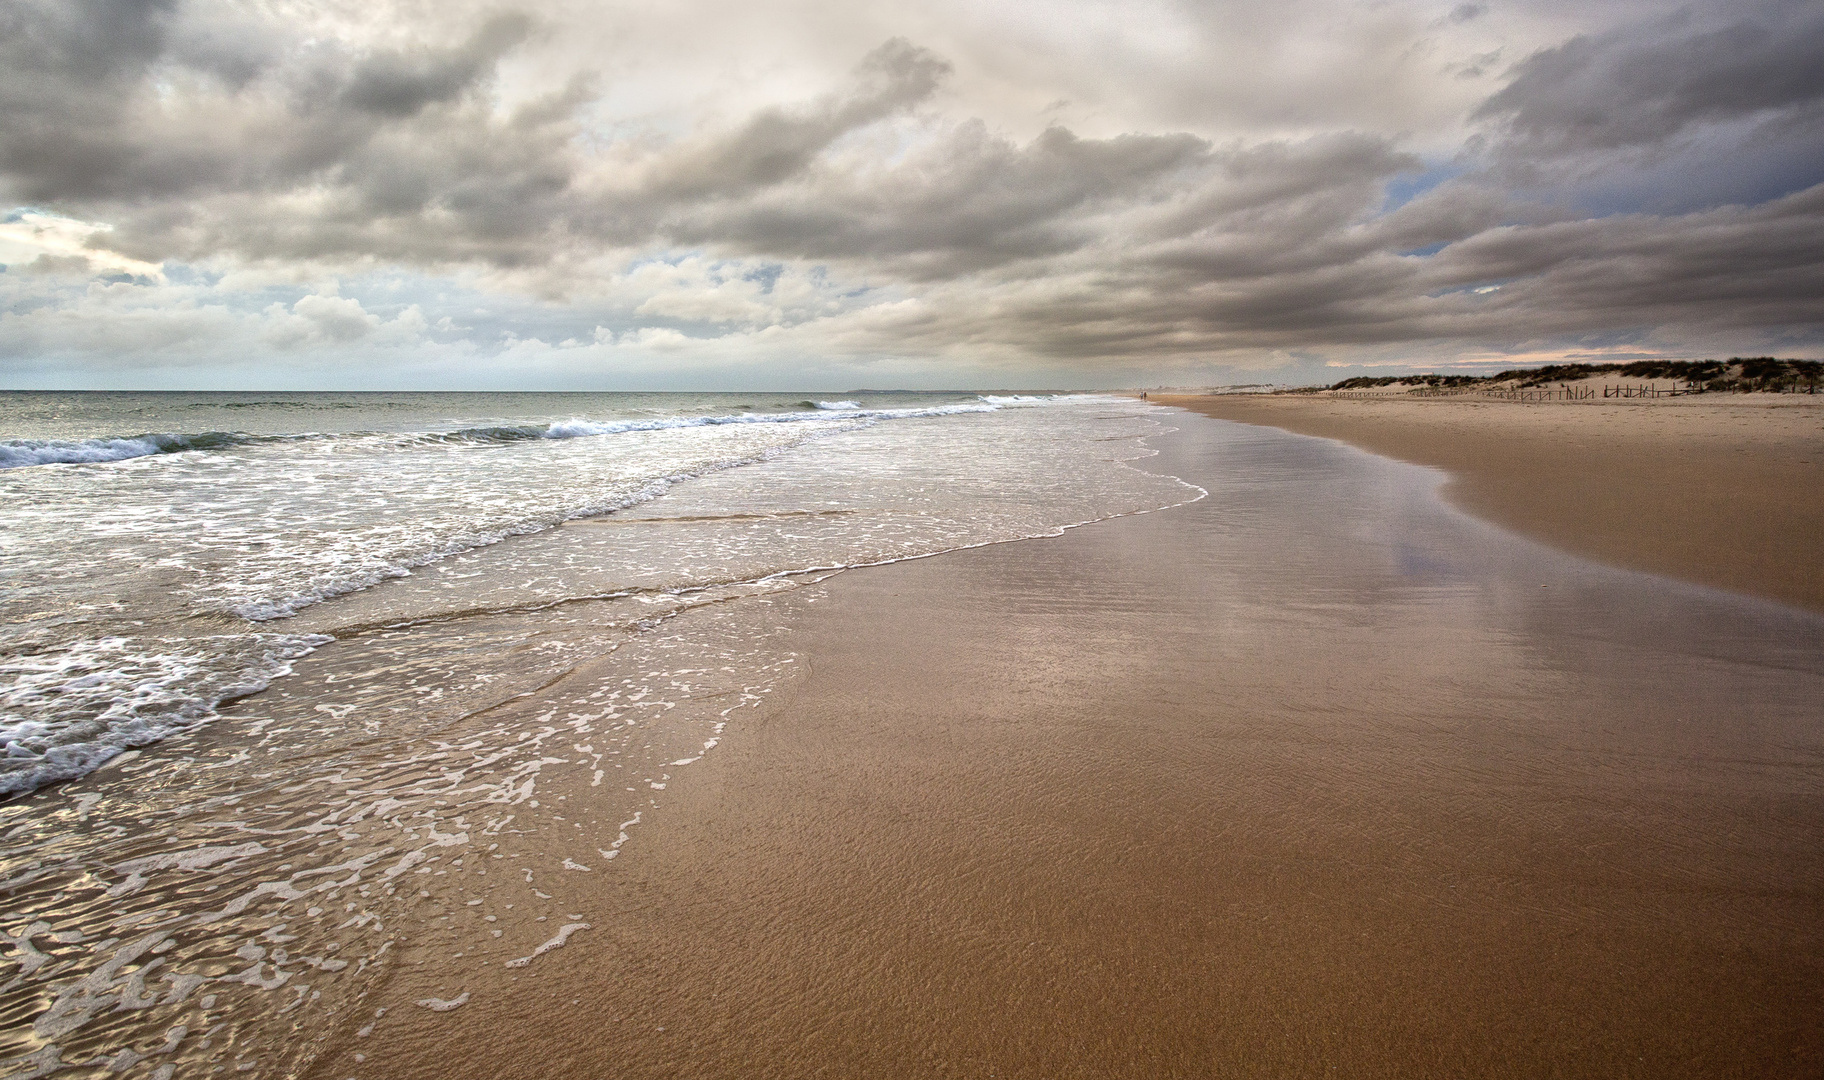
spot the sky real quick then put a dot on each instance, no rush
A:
(1026, 194)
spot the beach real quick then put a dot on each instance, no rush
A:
(690, 735)
(1724, 489)
(1023, 541)
(1315, 775)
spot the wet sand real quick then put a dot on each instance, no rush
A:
(1313, 777)
(1724, 490)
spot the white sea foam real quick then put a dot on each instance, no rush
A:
(194, 859)
(266, 525)
(24, 452)
(440, 1005)
(558, 942)
(66, 711)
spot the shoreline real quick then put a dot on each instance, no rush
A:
(1723, 493)
(1219, 790)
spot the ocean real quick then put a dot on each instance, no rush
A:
(285, 677)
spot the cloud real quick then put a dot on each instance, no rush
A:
(399, 84)
(322, 318)
(777, 144)
(65, 245)
(1085, 187)
(66, 70)
(695, 290)
(1645, 83)
(961, 200)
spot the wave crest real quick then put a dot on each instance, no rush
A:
(16, 453)
(20, 453)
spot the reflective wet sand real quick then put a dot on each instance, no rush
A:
(1315, 776)
(1722, 489)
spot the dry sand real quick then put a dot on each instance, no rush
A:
(1230, 790)
(1724, 490)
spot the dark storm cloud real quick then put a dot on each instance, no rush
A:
(1643, 84)
(78, 42)
(121, 99)
(66, 70)
(1732, 267)
(776, 144)
(1265, 209)
(968, 201)
(400, 84)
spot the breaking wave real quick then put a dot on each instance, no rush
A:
(19, 453)
(16, 453)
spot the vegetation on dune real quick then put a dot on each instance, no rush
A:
(1738, 374)
(1443, 381)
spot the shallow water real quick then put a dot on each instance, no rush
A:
(449, 629)
(153, 552)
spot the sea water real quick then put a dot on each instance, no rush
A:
(298, 690)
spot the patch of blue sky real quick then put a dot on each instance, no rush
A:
(15, 302)
(521, 321)
(715, 270)
(767, 274)
(1406, 187)
(179, 273)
